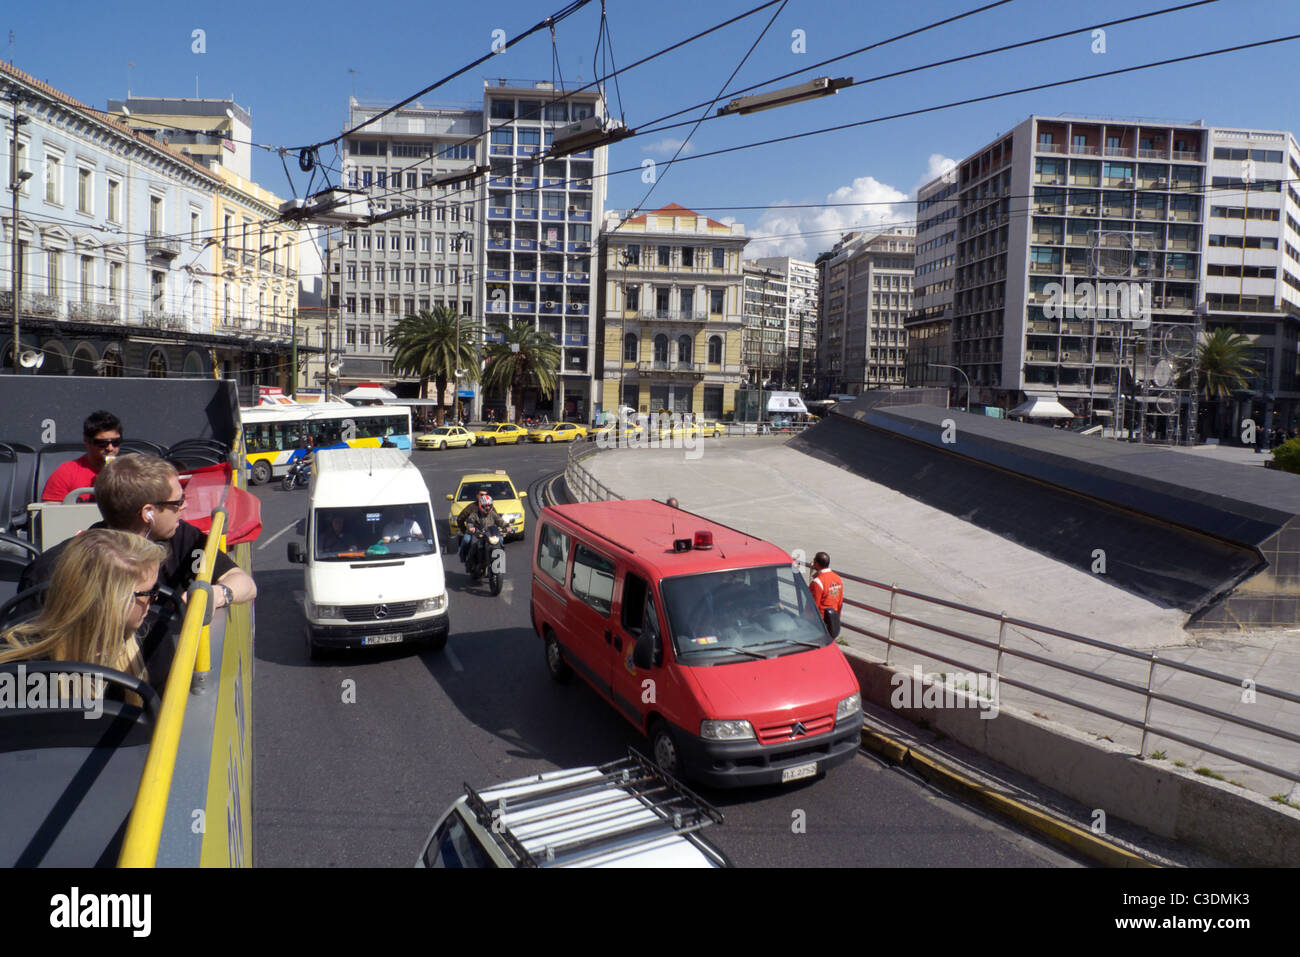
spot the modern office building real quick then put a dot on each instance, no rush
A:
(514, 246)
(763, 340)
(929, 328)
(212, 132)
(799, 320)
(671, 307)
(866, 294)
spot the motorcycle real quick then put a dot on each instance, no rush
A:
(487, 557)
(298, 476)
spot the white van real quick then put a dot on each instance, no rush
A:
(374, 572)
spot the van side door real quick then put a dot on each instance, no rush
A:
(591, 582)
(628, 688)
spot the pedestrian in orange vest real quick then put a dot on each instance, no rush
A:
(828, 592)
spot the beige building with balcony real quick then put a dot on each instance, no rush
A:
(671, 306)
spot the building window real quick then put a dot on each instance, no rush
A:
(719, 258)
(87, 279)
(715, 350)
(194, 227)
(53, 178)
(665, 255)
(634, 255)
(155, 215)
(716, 298)
(52, 272)
(684, 349)
(632, 298)
(688, 257)
(85, 191)
(424, 275)
(629, 348)
(115, 282)
(661, 348)
(114, 201)
(350, 335)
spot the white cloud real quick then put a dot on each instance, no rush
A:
(937, 165)
(786, 230)
(667, 147)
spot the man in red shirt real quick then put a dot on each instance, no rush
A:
(102, 432)
(827, 587)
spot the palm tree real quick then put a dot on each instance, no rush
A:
(527, 357)
(426, 345)
(1223, 367)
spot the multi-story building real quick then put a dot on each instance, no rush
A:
(799, 321)
(212, 132)
(1109, 203)
(514, 247)
(537, 232)
(765, 306)
(929, 328)
(410, 263)
(1251, 257)
(866, 294)
(671, 305)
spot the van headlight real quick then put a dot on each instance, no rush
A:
(849, 706)
(323, 611)
(431, 604)
(726, 730)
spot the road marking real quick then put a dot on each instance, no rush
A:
(451, 656)
(299, 596)
(278, 534)
(507, 588)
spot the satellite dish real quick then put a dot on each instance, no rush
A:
(31, 359)
(1164, 373)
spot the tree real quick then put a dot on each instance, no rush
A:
(527, 357)
(1223, 366)
(426, 345)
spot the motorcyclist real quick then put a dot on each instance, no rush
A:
(477, 517)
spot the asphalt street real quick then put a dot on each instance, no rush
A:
(343, 784)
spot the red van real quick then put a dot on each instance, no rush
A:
(703, 637)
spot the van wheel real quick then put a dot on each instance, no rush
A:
(261, 473)
(663, 749)
(555, 663)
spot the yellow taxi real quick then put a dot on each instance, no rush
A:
(708, 429)
(505, 499)
(445, 437)
(558, 432)
(668, 431)
(616, 432)
(500, 434)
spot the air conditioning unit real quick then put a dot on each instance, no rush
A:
(1126, 182)
(1090, 211)
(548, 304)
(1162, 181)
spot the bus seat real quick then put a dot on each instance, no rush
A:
(22, 487)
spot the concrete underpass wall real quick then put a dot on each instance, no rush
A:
(1216, 540)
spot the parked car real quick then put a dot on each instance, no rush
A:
(558, 432)
(500, 434)
(445, 437)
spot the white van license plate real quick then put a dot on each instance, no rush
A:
(381, 639)
(799, 771)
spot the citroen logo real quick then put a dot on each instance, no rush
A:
(798, 729)
(381, 611)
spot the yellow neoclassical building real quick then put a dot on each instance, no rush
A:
(670, 306)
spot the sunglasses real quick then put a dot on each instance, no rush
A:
(151, 594)
(107, 443)
(176, 503)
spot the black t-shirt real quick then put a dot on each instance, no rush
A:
(178, 570)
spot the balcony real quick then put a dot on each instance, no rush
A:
(94, 311)
(1119, 151)
(32, 304)
(525, 307)
(1186, 155)
(665, 367)
(278, 269)
(498, 212)
(499, 181)
(579, 247)
(498, 275)
(526, 182)
(548, 276)
(525, 212)
(552, 182)
(162, 247)
(551, 307)
(157, 319)
(524, 275)
(577, 309)
(229, 252)
(553, 215)
(526, 244)
(672, 315)
(575, 340)
(577, 277)
(499, 242)
(248, 259)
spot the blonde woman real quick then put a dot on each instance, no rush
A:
(98, 598)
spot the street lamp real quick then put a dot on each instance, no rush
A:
(461, 238)
(940, 365)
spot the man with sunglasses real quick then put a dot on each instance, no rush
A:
(102, 433)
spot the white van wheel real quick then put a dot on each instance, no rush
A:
(555, 663)
(664, 749)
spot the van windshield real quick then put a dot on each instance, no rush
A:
(751, 612)
(373, 533)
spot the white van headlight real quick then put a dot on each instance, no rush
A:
(323, 611)
(849, 706)
(431, 604)
(726, 730)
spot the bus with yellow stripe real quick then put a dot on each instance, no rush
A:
(274, 434)
(167, 782)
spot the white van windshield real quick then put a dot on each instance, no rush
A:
(751, 612)
(373, 533)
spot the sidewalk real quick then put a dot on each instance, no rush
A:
(761, 486)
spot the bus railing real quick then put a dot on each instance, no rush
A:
(1147, 691)
(193, 657)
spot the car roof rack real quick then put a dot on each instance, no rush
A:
(574, 817)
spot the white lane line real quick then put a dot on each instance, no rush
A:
(299, 595)
(277, 535)
(451, 656)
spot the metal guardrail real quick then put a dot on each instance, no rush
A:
(144, 828)
(1148, 691)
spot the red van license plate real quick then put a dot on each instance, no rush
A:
(381, 639)
(799, 771)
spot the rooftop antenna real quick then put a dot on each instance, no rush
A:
(196, 86)
(11, 47)
(130, 65)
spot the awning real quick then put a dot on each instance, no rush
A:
(366, 393)
(788, 402)
(1041, 407)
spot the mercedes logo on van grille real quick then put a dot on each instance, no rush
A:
(381, 611)
(798, 729)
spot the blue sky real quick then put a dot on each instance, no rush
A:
(290, 64)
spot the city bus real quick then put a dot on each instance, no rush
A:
(273, 433)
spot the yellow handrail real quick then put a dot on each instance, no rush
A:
(144, 829)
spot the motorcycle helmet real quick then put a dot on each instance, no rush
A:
(484, 502)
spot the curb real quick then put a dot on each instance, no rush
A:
(1075, 838)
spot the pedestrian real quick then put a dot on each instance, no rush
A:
(828, 592)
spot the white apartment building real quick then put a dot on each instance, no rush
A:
(929, 328)
(799, 320)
